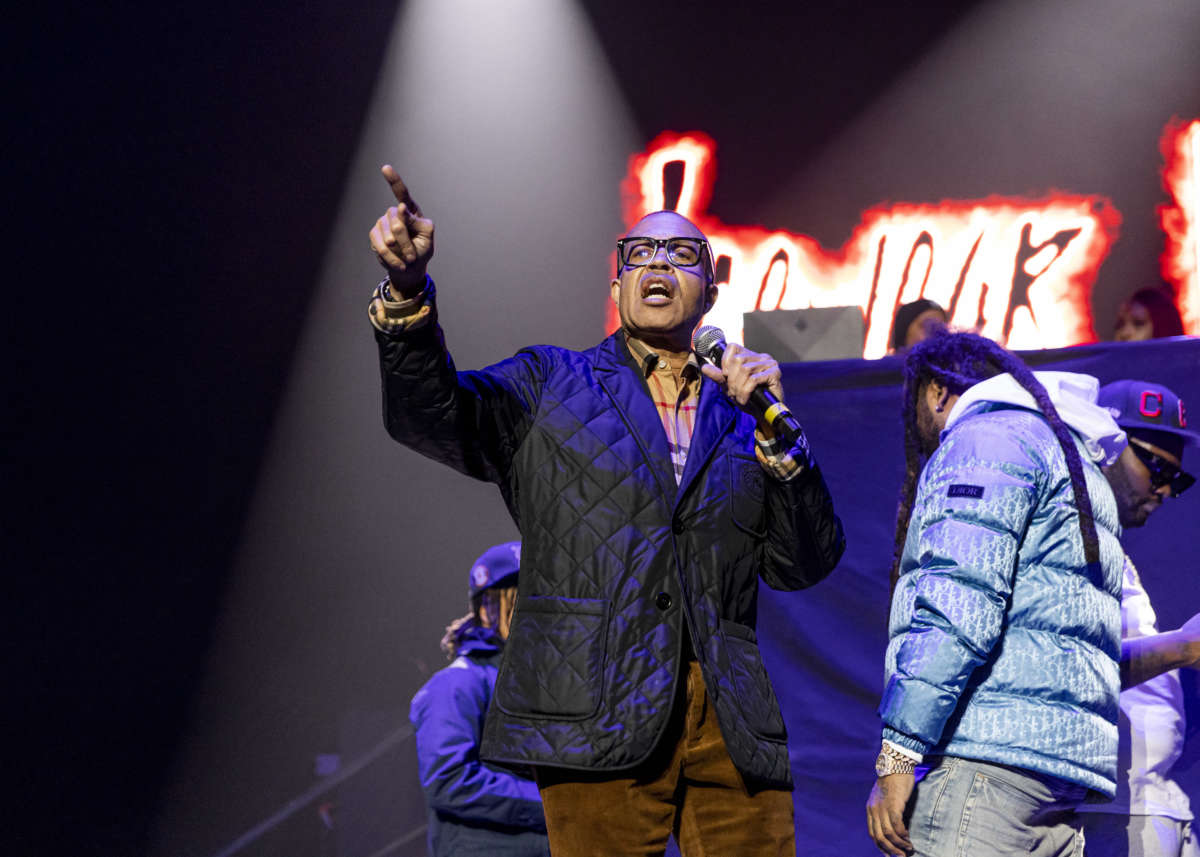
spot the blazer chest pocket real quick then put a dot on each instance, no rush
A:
(554, 658)
(747, 486)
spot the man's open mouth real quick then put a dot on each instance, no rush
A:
(656, 289)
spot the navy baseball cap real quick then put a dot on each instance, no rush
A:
(1142, 407)
(495, 566)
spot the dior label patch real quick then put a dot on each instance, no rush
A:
(974, 492)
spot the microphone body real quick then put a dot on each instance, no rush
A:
(709, 343)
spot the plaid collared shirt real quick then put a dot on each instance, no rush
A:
(676, 398)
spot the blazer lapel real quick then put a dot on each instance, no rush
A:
(621, 379)
(715, 416)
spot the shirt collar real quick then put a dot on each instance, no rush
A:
(649, 359)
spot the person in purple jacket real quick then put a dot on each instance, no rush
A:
(474, 808)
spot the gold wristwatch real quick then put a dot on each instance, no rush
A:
(892, 761)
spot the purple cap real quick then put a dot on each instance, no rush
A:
(1147, 406)
(495, 566)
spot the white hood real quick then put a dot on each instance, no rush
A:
(1073, 394)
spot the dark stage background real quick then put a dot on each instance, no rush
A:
(222, 567)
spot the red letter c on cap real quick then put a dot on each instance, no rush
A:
(1147, 396)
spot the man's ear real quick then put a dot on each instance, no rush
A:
(935, 395)
(710, 296)
(614, 290)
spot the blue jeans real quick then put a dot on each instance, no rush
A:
(965, 808)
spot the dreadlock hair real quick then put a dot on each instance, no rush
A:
(958, 361)
(497, 602)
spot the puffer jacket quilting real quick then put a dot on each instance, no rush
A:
(1002, 647)
(617, 562)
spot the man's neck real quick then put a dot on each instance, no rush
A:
(670, 352)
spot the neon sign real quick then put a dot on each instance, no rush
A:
(1181, 221)
(1018, 270)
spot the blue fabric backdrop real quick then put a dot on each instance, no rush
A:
(824, 646)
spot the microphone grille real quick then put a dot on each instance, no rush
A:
(706, 338)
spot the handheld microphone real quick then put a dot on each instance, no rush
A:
(709, 343)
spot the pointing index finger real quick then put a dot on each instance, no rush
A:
(400, 189)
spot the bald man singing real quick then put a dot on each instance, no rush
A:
(650, 501)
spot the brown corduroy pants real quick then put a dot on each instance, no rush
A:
(688, 786)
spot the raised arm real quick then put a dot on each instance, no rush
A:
(471, 421)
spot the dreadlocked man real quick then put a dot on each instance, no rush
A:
(1004, 635)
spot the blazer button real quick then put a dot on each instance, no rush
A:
(662, 601)
(677, 527)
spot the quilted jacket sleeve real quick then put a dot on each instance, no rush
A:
(804, 539)
(448, 714)
(472, 421)
(976, 497)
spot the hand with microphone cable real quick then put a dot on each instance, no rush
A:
(753, 380)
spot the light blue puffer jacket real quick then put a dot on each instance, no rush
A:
(1001, 647)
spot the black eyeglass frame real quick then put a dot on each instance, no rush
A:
(1179, 480)
(705, 253)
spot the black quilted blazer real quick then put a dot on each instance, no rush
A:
(617, 562)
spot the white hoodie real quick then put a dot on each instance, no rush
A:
(1073, 394)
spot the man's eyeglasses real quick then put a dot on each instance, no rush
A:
(1162, 472)
(637, 252)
